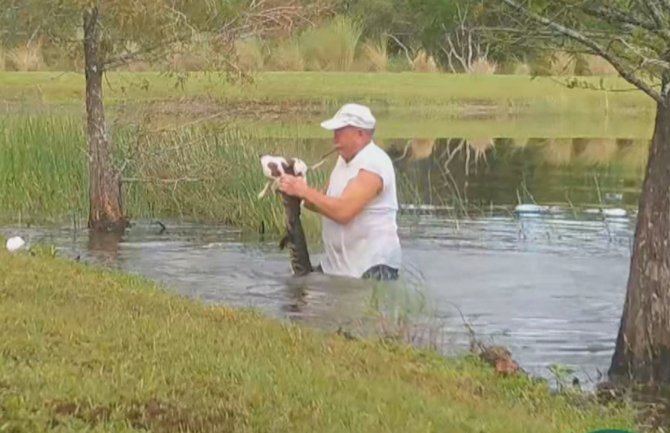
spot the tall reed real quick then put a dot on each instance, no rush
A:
(331, 47)
(374, 56)
(42, 167)
(26, 57)
(286, 56)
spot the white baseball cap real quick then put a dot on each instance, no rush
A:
(351, 115)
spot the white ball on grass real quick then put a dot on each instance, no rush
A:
(15, 243)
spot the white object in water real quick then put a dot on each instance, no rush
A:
(425, 207)
(530, 208)
(15, 243)
(615, 212)
(612, 212)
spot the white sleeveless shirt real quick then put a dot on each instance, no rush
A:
(371, 237)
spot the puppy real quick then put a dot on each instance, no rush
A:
(276, 166)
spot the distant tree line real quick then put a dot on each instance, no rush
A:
(367, 35)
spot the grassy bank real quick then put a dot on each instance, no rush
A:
(84, 349)
(422, 93)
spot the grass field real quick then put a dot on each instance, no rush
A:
(83, 349)
(426, 93)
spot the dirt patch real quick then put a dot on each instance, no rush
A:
(501, 359)
(203, 109)
(92, 415)
(151, 415)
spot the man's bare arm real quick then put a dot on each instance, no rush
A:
(360, 191)
(309, 205)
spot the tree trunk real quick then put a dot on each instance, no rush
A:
(105, 207)
(642, 352)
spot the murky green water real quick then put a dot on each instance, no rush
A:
(547, 281)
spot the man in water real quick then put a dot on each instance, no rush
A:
(360, 204)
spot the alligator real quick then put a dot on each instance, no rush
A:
(273, 168)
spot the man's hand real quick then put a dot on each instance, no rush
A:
(293, 185)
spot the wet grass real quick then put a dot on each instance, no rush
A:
(82, 349)
(423, 93)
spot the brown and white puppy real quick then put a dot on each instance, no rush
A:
(276, 166)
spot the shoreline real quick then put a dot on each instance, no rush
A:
(425, 93)
(107, 348)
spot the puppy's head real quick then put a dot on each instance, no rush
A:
(276, 166)
(273, 166)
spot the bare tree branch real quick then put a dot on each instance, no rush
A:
(261, 18)
(129, 57)
(597, 48)
(604, 35)
(397, 41)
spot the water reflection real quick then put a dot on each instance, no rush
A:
(552, 151)
(104, 247)
(478, 173)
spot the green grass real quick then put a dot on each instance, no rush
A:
(83, 349)
(421, 93)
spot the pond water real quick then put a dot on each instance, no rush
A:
(547, 282)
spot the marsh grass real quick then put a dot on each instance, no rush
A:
(285, 55)
(211, 173)
(331, 47)
(26, 57)
(202, 174)
(374, 55)
(423, 62)
(43, 170)
(250, 54)
(84, 349)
